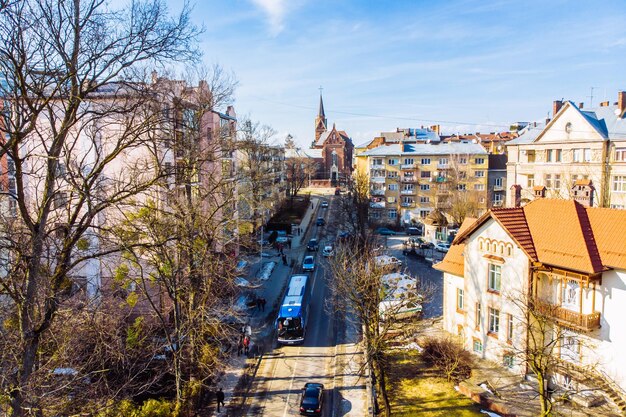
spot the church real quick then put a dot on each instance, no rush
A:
(332, 150)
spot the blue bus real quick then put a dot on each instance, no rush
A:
(294, 310)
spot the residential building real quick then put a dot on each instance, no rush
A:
(577, 144)
(496, 177)
(493, 142)
(566, 260)
(412, 178)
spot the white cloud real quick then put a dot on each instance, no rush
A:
(275, 11)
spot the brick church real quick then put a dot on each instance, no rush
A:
(333, 151)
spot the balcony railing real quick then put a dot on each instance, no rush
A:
(584, 322)
(498, 188)
(409, 179)
(407, 204)
(407, 166)
(443, 166)
(377, 166)
(377, 192)
(438, 179)
(407, 192)
(378, 180)
(379, 205)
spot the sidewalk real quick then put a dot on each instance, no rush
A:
(261, 322)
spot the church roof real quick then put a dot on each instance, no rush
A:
(320, 113)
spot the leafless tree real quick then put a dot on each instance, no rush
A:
(363, 286)
(354, 206)
(298, 171)
(75, 110)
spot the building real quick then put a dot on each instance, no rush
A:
(410, 178)
(566, 259)
(496, 178)
(577, 144)
(494, 142)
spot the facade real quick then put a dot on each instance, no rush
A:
(577, 144)
(410, 179)
(566, 259)
(496, 178)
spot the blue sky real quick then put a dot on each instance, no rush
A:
(467, 65)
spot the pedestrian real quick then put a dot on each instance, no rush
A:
(284, 259)
(258, 304)
(240, 346)
(263, 301)
(289, 243)
(246, 345)
(220, 399)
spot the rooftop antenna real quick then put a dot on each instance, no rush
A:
(591, 97)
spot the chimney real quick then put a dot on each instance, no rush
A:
(583, 192)
(604, 104)
(621, 102)
(556, 106)
(517, 195)
(580, 105)
(540, 191)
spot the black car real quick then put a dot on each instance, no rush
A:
(312, 245)
(413, 231)
(312, 399)
(321, 221)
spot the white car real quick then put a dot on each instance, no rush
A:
(442, 246)
(308, 264)
(400, 297)
(324, 204)
(386, 260)
(328, 251)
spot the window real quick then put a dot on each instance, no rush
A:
(570, 294)
(479, 161)
(479, 174)
(570, 346)
(392, 214)
(424, 213)
(577, 155)
(509, 327)
(619, 183)
(408, 161)
(391, 199)
(392, 174)
(407, 200)
(498, 199)
(408, 187)
(461, 187)
(463, 161)
(509, 250)
(530, 180)
(508, 360)
(443, 161)
(558, 155)
(478, 346)
(425, 161)
(548, 181)
(549, 155)
(479, 187)
(393, 187)
(375, 214)
(495, 273)
(620, 154)
(392, 161)
(425, 187)
(557, 181)
(425, 174)
(587, 155)
(459, 299)
(531, 156)
(494, 320)
(479, 316)
(424, 199)
(498, 182)
(377, 161)
(462, 175)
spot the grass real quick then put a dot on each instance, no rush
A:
(415, 389)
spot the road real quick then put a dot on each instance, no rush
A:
(329, 354)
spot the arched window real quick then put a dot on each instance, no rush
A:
(509, 250)
(501, 249)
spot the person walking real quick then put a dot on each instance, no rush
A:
(240, 346)
(246, 345)
(220, 399)
(263, 302)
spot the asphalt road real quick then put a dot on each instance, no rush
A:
(327, 355)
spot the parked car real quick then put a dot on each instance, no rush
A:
(414, 242)
(312, 245)
(324, 204)
(442, 246)
(312, 400)
(386, 260)
(385, 232)
(413, 231)
(400, 299)
(242, 267)
(337, 191)
(308, 264)
(328, 251)
(320, 221)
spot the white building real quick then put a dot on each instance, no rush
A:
(567, 258)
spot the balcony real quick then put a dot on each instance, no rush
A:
(377, 180)
(379, 205)
(443, 166)
(407, 204)
(377, 166)
(377, 192)
(407, 166)
(498, 188)
(584, 322)
(407, 192)
(409, 180)
(438, 179)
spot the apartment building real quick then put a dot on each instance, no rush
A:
(411, 179)
(567, 260)
(577, 144)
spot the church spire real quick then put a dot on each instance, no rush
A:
(320, 113)
(320, 120)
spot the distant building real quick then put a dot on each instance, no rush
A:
(577, 144)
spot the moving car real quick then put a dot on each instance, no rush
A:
(312, 245)
(442, 246)
(312, 400)
(324, 204)
(385, 232)
(328, 251)
(320, 221)
(308, 264)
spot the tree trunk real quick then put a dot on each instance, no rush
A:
(544, 400)
(382, 386)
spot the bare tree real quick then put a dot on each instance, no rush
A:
(380, 302)
(354, 206)
(298, 171)
(75, 112)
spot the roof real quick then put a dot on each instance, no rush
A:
(320, 112)
(452, 148)
(561, 233)
(303, 153)
(453, 262)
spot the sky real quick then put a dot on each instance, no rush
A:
(469, 66)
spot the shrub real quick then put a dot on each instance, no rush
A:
(448, 356)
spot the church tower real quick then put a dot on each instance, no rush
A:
(320, 120)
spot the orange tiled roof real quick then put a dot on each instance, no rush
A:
(514, 222)
(583, 182)
(609, 230)
(453, 262)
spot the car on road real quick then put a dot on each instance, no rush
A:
(312, 245)
(320, 221)
(324, 204)
(413, 231)
(386, 260)
(312, 399)
(308, 264)
(337, 191)
(442, 246)
(328, 251)
(385, 232)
